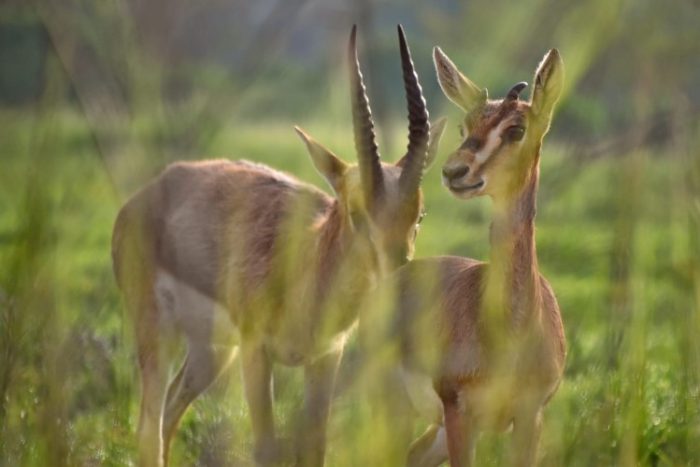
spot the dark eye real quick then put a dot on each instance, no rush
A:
(462, 131)
(421, 217)
(514, 133)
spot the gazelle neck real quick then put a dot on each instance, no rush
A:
(344, 257)
(513, 275)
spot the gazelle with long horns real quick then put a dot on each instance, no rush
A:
(482, 344)
(235, 254)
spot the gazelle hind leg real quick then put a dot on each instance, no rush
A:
(430, 449)
(153, 386)
(202, 367)
(211, 344)
(154, 348)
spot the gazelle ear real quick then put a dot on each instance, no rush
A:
(327, 163)
(457, 87)
(436, 131)
(549, 82)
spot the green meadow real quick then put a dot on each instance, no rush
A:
(618, 227)
(617, 238)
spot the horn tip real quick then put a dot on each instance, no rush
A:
(352, 43)
(515, 91)
(402, 35)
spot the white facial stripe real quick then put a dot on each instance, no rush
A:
(493, 141)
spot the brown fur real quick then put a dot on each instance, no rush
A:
(455, 348)
(236, 255)
(490, 336)
(274, 252)
(289, 265)
(196, 215)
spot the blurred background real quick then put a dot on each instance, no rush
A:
(97, 96)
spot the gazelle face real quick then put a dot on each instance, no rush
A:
(390, 220)
(490, 160)
(382, 202)
(499, 137)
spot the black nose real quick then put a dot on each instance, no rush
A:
(455, 172)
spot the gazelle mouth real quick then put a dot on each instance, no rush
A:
(465, 188)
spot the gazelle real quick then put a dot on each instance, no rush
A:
(482, 344)
(235, 254)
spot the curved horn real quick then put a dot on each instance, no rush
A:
(515, 91)
(418, 125)
(363, 126)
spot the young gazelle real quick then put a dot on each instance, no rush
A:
(482, 344)
(229, 254)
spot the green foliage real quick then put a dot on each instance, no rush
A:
(617, 227)
(634, 402)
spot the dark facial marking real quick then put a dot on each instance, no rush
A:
(472, 144)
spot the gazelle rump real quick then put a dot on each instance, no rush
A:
(485, 339)
(232, 255)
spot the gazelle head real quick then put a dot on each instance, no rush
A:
(501, 138)
(382, 199)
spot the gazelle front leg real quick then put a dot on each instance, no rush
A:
(527, 426)
(318, 392)
(257, 381)
(461, 434)
(203, 365)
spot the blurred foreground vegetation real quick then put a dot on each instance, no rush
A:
(615, 237)
(617, 226)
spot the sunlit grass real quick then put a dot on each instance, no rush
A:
(643, 409)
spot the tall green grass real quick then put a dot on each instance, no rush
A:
(617, 238)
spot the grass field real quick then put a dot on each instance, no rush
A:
(617, 238)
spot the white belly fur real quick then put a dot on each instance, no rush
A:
(207, 322)
(422, 394)
(201, 319)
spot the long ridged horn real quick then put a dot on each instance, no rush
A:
(418, 125)
(367, 151)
